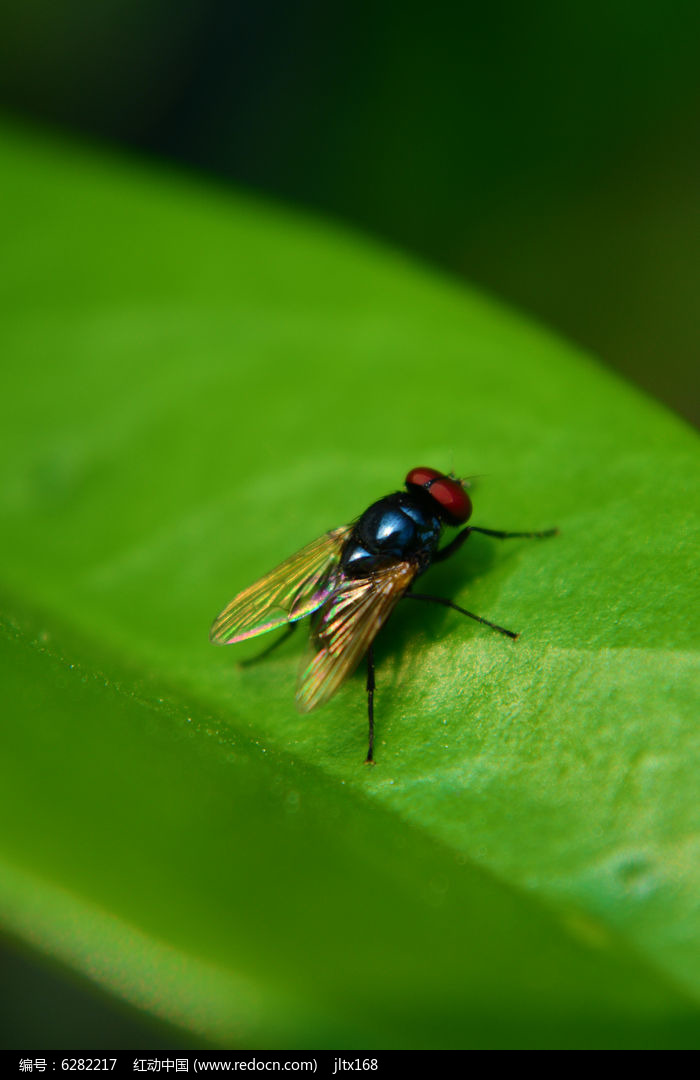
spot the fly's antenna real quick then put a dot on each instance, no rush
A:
(466, 481)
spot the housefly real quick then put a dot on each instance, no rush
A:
(352, 578)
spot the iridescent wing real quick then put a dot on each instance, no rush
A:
(292, 590)
(348, 623)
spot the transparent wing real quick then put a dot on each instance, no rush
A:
(292, 590)
(348, 623)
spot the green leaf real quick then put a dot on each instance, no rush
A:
(196, 385)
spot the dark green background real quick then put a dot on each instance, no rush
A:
(549, 152)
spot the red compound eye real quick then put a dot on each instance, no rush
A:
(456, 504)
(422, 476)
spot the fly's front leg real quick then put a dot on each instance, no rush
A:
(454, 546)
(498, 534)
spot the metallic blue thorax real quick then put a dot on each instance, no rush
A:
(397, 527)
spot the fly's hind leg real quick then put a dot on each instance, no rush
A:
(461, 610)
(369, 760)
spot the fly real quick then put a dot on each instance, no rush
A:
(351, 579)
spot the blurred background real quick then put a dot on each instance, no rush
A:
(547, 152)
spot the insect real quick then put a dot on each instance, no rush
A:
(350, 580)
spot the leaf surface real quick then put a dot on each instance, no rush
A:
(196, 385)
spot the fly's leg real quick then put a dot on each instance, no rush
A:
(462, 611)
(291, 627)
(369, 760)
(454, 546)
(459, 539)
(500, 535)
